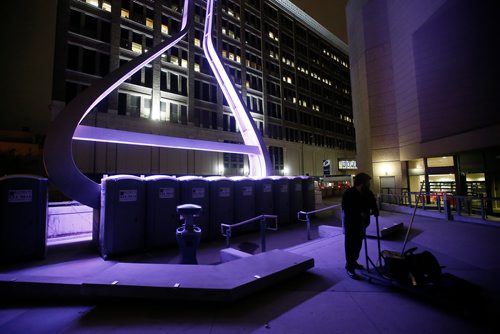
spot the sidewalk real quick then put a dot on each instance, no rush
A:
(323, 300)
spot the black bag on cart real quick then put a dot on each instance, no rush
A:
(415, 269)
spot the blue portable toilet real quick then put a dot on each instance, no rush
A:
(281, 195)
(244, 202)
(221, 203)
(264, 201)
(23, 218)
(296, 199)
(122, 216)
(308, 194)
(194, 190)
(162, 220)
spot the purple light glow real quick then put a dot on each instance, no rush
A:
(260, 164)
(89, 133)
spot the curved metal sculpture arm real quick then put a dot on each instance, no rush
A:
(260, 164)
(58, 157)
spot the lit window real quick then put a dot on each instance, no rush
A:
(238, 59)
(224, 53)
(174, 60)
(196, 67)
(164, 29)
(124, 13)
(231, 56)
(247, 84)
(93, 2)
(149, 23)
(197, 42)
(184, 63)
(106, 6)
(136, 47)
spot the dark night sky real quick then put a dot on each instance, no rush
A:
(329, 13)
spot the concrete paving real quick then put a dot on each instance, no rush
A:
(322, 300)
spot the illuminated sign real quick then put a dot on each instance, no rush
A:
(327, 167)
(347, 164)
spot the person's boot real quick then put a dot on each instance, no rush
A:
(352, 274)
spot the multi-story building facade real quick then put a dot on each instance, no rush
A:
(292, 73)
(425, 86)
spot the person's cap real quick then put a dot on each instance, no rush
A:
(362, 177)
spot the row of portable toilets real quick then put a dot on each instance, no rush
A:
(140, 213)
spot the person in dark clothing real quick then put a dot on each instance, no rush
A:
(358, 202)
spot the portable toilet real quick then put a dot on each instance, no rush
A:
(308, 199)
(221, 203)
(281, 198)
(295, 191)
(264, 201)
(23, 218)
(244, 202)
(162, 220)
(194, 190)
(122, 215)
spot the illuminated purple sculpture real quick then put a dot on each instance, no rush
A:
(58, 157)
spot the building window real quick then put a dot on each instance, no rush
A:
(174, 114)
(163, 110)
(93, 2)
(440, 162)
(106, 6)
(276, 154)
(125, 13)
(136, 47)
(135, 106)
(146, 111)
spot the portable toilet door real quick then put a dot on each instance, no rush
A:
(162, 220)
(122, 216)
(194, 190)
(244, 202)
(221, 204)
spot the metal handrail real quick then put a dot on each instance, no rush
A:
(226, 229)
(308, 220)
(442, 201)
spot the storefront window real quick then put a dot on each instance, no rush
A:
(476, 185)
(442, 183)
(440, 161)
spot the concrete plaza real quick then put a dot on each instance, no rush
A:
(322, 300)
